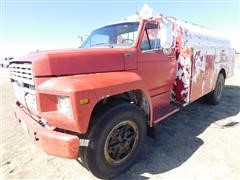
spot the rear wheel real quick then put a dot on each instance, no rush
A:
(215, 96)
(115, 140)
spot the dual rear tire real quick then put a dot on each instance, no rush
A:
(215, 96)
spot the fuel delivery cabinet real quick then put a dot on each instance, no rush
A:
(97, 103)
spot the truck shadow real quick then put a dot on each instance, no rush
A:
(177, 136)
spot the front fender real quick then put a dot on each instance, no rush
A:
(92, 86)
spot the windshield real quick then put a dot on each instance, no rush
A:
(120, 35)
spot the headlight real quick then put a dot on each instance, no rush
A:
(64, 106)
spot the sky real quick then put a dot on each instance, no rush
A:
(30, 25)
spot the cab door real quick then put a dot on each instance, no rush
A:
(156, 68)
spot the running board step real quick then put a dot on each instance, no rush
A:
(164, 112)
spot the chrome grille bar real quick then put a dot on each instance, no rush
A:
(22, 72)
(23, 83)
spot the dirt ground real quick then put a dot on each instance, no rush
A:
(199, 142)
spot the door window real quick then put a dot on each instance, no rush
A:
(150, 38)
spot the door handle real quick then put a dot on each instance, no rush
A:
(128, 55)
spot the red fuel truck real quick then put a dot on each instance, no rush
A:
(98, 102)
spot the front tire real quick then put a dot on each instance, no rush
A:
(215, 96)
(115, 140)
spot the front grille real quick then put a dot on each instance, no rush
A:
(23, 83)
(22, 72)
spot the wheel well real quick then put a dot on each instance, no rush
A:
(222, 71)
(135, 97)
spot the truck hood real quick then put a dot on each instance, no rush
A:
(75, 61)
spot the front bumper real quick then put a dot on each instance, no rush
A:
(52, 142)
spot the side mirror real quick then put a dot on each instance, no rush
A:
(82, 38)
(166, 35)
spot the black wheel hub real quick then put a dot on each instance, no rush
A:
(121, 142)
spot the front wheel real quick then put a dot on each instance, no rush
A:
(115, 140)
(215, 96)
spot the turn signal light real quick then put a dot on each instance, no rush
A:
(84, 101)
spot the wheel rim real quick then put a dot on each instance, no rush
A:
(121, 142)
